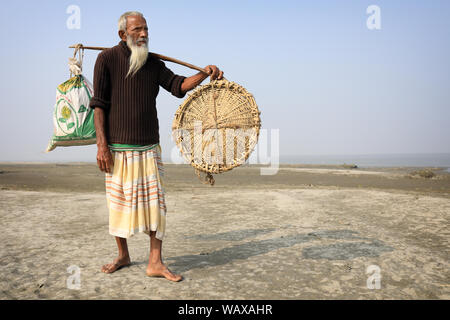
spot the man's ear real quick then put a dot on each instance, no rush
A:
(122, 35)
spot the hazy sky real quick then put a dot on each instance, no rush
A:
(318, 74)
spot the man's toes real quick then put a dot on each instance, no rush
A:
(108, 268)
(175, 278)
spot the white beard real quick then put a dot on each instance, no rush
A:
(138, 56)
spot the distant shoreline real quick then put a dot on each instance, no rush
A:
(86, 177)
(407, 160)
(281, 165)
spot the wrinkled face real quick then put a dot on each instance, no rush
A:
(137, 30)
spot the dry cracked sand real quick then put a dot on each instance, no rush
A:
(305, 233)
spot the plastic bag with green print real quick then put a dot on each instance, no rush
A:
(73, 120)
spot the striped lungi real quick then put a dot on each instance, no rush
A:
(135, 193)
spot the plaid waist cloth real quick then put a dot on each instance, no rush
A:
(134, 191)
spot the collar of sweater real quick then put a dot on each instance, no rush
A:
(123, 45)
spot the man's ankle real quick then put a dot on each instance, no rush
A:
(124, 256)
(154, 261)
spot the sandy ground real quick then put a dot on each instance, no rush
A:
(309, 232)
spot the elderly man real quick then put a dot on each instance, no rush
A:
(126, 83)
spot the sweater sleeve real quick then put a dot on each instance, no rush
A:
(102, 84)
(170, 81)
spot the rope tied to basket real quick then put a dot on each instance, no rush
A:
(208, 177)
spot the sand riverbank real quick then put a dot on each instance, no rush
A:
(309, 232)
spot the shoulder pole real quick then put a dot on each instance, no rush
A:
(156, 55)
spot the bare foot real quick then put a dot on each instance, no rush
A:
(160, 270)
(116, 265)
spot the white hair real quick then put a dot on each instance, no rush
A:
(123, 19)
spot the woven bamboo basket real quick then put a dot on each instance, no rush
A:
(216, 128)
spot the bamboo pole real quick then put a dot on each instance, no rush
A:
(156, 55)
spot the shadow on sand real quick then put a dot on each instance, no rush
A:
(365, 247)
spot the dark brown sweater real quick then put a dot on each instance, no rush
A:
(130, 103)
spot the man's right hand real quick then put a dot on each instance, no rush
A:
(104, 159)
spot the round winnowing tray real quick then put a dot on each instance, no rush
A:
(217, 127)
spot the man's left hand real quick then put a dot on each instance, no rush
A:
(214, 72)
